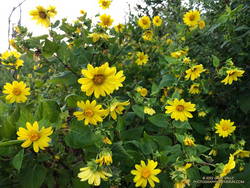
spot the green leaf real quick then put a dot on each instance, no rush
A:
(33, 176)
(72, 99)
(216, 61)
(139, 110)
(182, 125)
(167, 80)
(160, 120)
(51, 110)
(162, 141)
(49, 47)
(80, 136)
(244, 103)
(155, 89)
(17, 160)
(201, 148)
(132, 134)
(205, 169)
(64, 78)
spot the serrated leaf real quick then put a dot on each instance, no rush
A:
(139, 110)
(159, 120)
(216, 61)
(18, 160)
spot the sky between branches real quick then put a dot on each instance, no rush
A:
(65, 8)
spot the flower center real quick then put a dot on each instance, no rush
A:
(16, 91)
(104, 3)
(231, 74)
(191, 17)
(98, 79)
(42, 15)
(224, 128)
(145, 173)
(34, 136)
(180, 108)
(145, 22)
(89, 113)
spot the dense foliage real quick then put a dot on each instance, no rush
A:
(160, 101)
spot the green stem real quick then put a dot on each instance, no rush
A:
(10, 142)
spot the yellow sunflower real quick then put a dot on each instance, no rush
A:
(180, 110)
(143, 91)
(90, 112)
(11, 58)
(241, 153)
(101, 80)
(17, 92)
(43, 15)
(106, 140)
(232, 75)
(149, 111)
(106, 21)
(104, 4)
(201, 24)
(157, 21)
(194, 72)
(104, 158)
(141, 58)
(33, 135)
(194, 89)
(191, 18)
(176, 54)
(117, 108)
(225, 128)
(148, 35)
(119, 28)
(186, 60)
(145, 174)
(144, 22)
(93, 174)
(228, 167)
(189, 141)
(97, 36)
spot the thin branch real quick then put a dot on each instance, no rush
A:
(9, 18)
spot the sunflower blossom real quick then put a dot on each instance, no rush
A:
(149, 111)
(97, 36)
(105, 158)
(180, 110)
(90, 112)
(104, 4)
(101, 80)
(33, 135)
(194, 89)
(191, 18)
(93, 174)
(145, 174)
(141, 58)
(17, 92)
(119, 28)
(232, 75)
(11, 58)
(189, 141)
(225, 128)
(157, 21)
(43, 15)
(148, 35)
(143, 91)
(144, 22)
(194, 72)
(106, 21)
(117, 108)
(201, 24)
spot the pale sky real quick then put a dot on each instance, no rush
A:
(65, 8)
